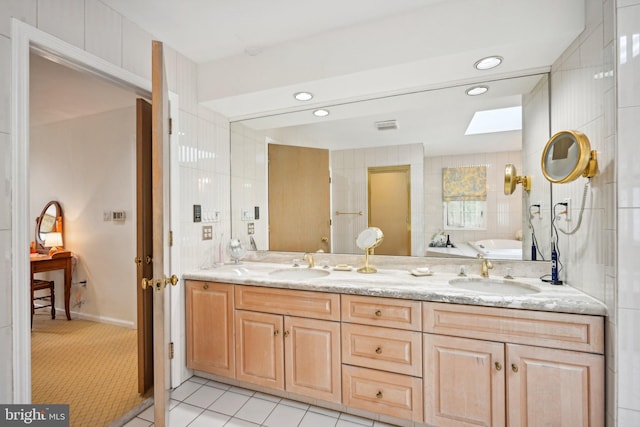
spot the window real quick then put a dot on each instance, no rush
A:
(464, 196)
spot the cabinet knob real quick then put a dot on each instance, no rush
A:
(276, 333)
(498, 366)
(206, 286)
(379, 395)
(286, 334)
(378, 313)
(379, 350)
(514, 367)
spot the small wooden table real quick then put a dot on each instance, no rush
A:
(41, 263)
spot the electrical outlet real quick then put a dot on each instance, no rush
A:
(567, 216)
(106, 216)
(539, 203)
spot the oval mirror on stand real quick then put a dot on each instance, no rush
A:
(49, 221)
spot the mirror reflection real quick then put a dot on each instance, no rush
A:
(49, 221)
(447, 150)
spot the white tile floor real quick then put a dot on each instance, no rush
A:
(202, 403)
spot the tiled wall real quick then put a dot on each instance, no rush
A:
(628, 236)
(249, 184)
(504, 213)
(94, 27)
(535, 133)
(583, 97)
(349, 192)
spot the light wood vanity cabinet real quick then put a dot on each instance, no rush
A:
(282, 341)
(479, 369)
(435, 363)
(382, 355)
(209, 324)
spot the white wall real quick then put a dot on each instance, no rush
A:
(93, 160)
(535, 133)
(627, 179)
(504, 213)
(583, 98)
(97, 29)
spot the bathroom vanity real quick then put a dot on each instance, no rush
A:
(403, 349)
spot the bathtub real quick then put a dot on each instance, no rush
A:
(498, 248)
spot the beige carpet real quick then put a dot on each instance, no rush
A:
(91, 366)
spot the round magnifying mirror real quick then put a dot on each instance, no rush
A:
(369, 238)
(566, 156)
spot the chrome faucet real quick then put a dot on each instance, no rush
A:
(486, 266)
(309, 258)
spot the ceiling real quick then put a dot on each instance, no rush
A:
(253, 55)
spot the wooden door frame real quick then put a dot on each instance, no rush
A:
(24, 37)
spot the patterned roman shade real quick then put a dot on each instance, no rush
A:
(464, 183)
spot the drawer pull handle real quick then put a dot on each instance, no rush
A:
(514, 367)
(498, 366)
(379, 350)
(378, 313)
(379, 395)
(276, 333)
(205, 287)
(286, 334)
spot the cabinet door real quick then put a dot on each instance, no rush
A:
(259, 349)
(464, 382)
(549, 387)
(209, 323)
(312, 358)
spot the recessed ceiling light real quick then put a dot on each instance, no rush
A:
(321, 113)
(476, 90)
(488, 63)
(303, 96)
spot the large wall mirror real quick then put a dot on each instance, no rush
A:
(453, 146)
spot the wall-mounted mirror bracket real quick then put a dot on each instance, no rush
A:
(511, 179)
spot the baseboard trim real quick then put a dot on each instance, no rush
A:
(99, 319)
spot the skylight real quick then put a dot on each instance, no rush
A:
(500, 120)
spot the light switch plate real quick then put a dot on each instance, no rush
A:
(207, 232)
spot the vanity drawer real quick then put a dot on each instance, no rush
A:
(382, 348)
(388, 312)
(316, 305)
(390, 394)
(545, 329)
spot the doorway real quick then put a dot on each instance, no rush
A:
(389, 190)
(24, 39)
(86, 130)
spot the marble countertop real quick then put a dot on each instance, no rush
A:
(402, 284)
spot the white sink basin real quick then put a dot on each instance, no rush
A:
(494, 286)
(299, 273)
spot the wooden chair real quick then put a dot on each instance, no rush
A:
(39, 285)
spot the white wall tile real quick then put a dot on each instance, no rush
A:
(136, 49)
(6, 371)
(23, 10)
(5, 182)
(103, 35)
(628, 418)
(186, 83)
(628, 152)
(629, 59)
(628, 250)
(5, 270)
(5, 84)
(628, 359)
(63, 19)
